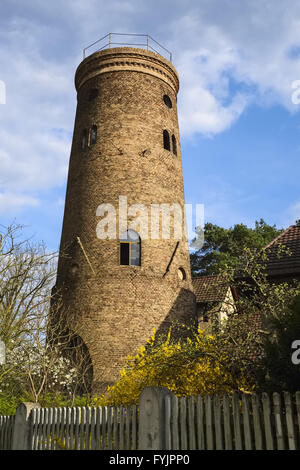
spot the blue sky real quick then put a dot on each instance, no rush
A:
(240, 130)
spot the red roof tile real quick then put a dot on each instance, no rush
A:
(210, 288)
(283, 263)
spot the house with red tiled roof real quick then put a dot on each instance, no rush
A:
(284, 255)
(213, 297)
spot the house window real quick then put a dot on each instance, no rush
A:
(130, 248)
(93, 135)
(167, 101)
(83, 141)
(166, 139)
(174, 145)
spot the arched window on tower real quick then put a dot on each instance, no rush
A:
(166, 139)
(167, 101)
(130, 248)
(174, 145)
(83, 141)
(93, 135)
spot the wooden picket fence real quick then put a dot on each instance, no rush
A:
(227, 422)
(6, 431)
(93, 428)
(233, 422)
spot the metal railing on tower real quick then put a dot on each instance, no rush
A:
(143, 41)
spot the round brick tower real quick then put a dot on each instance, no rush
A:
(125, 151)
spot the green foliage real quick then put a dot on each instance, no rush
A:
(223, 248)
(279, 371)
(9, 402)
(272, 313)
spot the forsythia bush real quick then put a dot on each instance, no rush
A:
(192, 367)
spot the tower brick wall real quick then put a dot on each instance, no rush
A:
(114, 307)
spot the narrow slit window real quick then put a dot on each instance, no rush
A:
(93, 135)
(166, 139)
(130, 248)
(174, 145)
(167, 101)
(83, 142)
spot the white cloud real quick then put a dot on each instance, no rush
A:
(231, 56)
(13, 202)
(292, 214)
(228, 55)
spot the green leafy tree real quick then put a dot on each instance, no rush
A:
(223, 248)
(281, 373)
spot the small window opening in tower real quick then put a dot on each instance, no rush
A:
(130, 248)
(181, 274)
(167, 101)
(166, 139)
(93, 94)
(83, 142)
(93, 135)
(174, 145)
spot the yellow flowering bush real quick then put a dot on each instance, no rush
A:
(191, 367)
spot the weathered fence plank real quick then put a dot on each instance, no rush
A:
(218, 422)
(115, 428)
(93, 428)
(122, 425)
(134, 428)
(278, 421)
(183, 430)
(77, 412)
(109, 427)
(238, 445)
(289, 421)
(174, 423)
(209, 423)
(81, 427)
(68, 429)
(256, 409)
(168, 423)
(35, 414)
(268, 421)
(246, 423)
(297, 397)
(98, 428)
(127, 427)
(191, 423)
(227, 423)
(200, 423)
(44, 428)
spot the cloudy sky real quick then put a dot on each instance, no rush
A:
(240, 128)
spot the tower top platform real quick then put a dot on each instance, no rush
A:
(141, 41)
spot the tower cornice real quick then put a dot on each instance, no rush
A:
(127, 58)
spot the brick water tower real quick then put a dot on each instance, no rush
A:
(122, 270)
